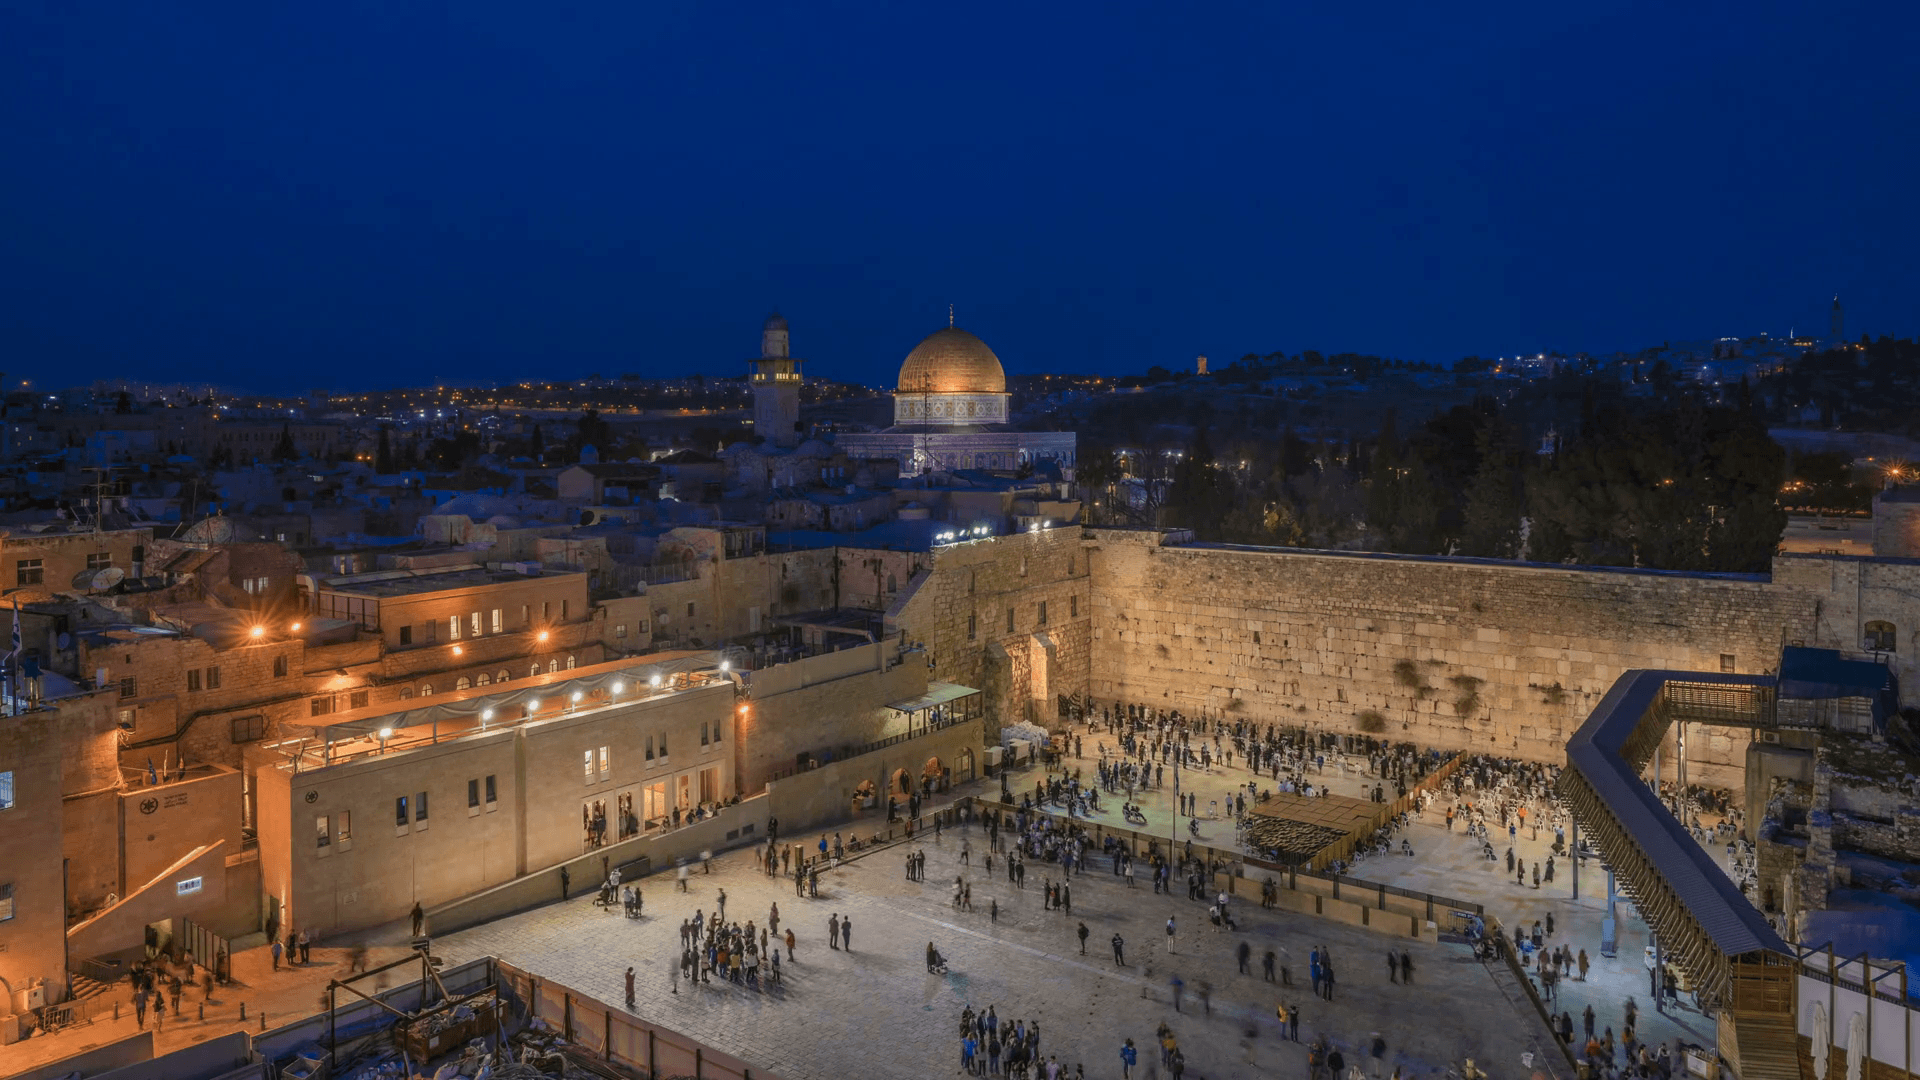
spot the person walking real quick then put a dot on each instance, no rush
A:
(1326, 973)
(1393, 966)
(419, 918)
(846, 933)
(275, 950)
(306, 949)
(789, 944)
(1267, 965)
(1083, 939)
(1169, 935)
(1179, 986)
(833, 930)
(1129, 1057)
(566, 881)
(1406, 967)
(1246, 953)
(676, 985)
(1119, 951)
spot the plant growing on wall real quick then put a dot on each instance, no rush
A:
(1550, 695)
(1407, 674)
(1236, 705)
(1468, 687)
(1371, 721)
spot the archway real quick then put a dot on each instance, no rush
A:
(865, 796)
(932, 776)
(899, 782)
(964, 764)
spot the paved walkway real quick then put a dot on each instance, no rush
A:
(875, 1011)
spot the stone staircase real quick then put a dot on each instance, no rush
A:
(86, 987)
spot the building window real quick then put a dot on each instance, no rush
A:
(426, 689)
(279, 667)
(533, 669)
(490, 794)
(322, 831)
(429, 632)
(503, 675)
(193, 680)
(563, 610)
(6, 790)
(406, 693)
(620, 630)
(1881, 636)
(973, 626)
(357, 699)
(99, 560)
(606, 763)
(689, 609)
(6, 901)
(586, 764)
(1023, 566)
(406, 635)
(1043, 613)
(473, 794)
(461, 683)
(213, 677)
(553, 666)
(400, 817)
(570, 662)
(482, 679)
(893, 584)
(320, 706)
(1009, 620)
(453, 628)
(1726, 662)
(29, 572)
(703, 733)
(499, 620)
(345, 831)
(663, 744)
(649, 748)
(473, 623)
(420, 807)
(129, 687)
(249, 728)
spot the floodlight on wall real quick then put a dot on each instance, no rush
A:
(619, 687)
(258, 632)
(533, 706)
(725, 666)
(577, 695)
(295, 628)
(459, 650)
(655, 681)
(541, 636)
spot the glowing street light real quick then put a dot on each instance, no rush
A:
(542, 636)
(258, 632)
(655, 681)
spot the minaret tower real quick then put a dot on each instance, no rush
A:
(1837, 322)
(776, 387)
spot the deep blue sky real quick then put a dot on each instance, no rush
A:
(340, 195)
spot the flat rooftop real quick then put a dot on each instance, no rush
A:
(385, 584)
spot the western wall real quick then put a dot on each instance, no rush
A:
(1503, 657)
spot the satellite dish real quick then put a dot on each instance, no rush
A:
(107, 578)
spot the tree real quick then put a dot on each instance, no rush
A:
(1490, 520)
(1201, 493)
(537, 445)
(383, 453)
(591, 430)
(284, 450)
(122, 403)
(1097, 472)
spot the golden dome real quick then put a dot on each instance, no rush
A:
(952, 361)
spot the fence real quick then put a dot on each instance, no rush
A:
(616, 1036)
(1342, 849)
(206, 946)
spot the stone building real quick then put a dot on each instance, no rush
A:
(951, 411)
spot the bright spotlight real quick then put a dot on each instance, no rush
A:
(654, 682)
(533, 706)
(725, 666)
(542, 636)
(386, 733)
(577, 695)
(486, 715)
(618, 687)
(258, 631)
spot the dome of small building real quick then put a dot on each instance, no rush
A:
(775, 321)
(952, 361)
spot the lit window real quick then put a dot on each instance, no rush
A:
(420, 807)
(6, 902)
(461, 683)
(29, 572)
(474, 622)
(620, 630)
(499, 620)
(605, 764)
(586, 764)
(6, 790)
(400, 817)
(1881, 636)
(345, 832)
(453, 628)
(570, 663)
(322, 831)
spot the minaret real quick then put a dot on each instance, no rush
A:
(1837, 322)
(776, 387)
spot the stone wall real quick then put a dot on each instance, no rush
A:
(958, 609)
(822, 703)
(1456, 653)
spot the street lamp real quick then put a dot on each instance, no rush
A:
(258, 632)
(655, 681)
(385, 733)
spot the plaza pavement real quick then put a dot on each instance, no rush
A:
(876, 1011)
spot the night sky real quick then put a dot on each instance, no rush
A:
(346, 195)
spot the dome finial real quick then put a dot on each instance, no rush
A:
(949, 314)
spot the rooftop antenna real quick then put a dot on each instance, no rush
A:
(949, 314)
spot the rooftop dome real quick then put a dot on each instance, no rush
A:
(952, 361)
(775, 321)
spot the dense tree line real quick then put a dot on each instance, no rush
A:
(1571, 470)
